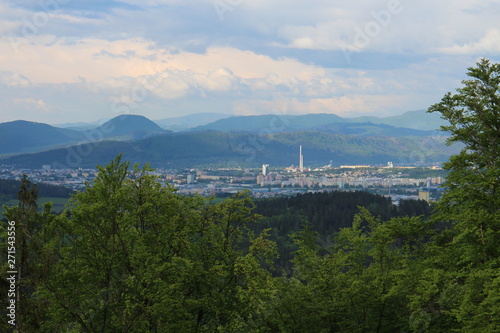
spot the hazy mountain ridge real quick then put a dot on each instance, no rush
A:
(419, 120)
(20, 136)
(245, 149)
(26, 136)
(178, 124)
(413, 123)
(370, 129)
(247, 140)
(81, 126)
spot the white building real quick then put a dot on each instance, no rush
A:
(265, 169)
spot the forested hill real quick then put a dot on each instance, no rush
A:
(20, 136)
(10, 188)
(222, 149)
(326, 213)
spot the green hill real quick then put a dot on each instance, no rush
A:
(20, 136)
(26, 136)
(245, 149)
(129, 127)
(183, 123)
(362, 126)
(275, 123)
(418, 120)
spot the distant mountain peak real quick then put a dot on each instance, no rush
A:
(129, 116)
(24, 122)
(129, 127)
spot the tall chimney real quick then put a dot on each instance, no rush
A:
(301, 160)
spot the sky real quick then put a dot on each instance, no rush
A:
(64, 61)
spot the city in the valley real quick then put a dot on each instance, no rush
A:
(396, 181)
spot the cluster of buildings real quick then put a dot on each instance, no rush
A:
(72, 178)
(261, 182)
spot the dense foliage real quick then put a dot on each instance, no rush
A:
(326, 213)
(132, 256)
(10, 188)
(9, 191)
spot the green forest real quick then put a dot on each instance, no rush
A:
(128, 255)
(9, 188)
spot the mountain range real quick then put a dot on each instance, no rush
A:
(175, 124)
(183, 123)
(237, 140)
(418, 120)
(317, 122)
(226, 149)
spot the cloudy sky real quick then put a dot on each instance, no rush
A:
(84, 60)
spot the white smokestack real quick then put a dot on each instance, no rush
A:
(301, 160)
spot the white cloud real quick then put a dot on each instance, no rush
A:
(6, 27)
(169, 55)
(489, 44)
(56, 61)
(53, 60)
(14, 79)
(33, 104)
(343, 106)
(323, 36)
(348, 106)
(423, 27)
(75, 18)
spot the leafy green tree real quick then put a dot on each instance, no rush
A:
(32, 262)
(461, 285)
(472, 198)
(362, 284)
(136, 257)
